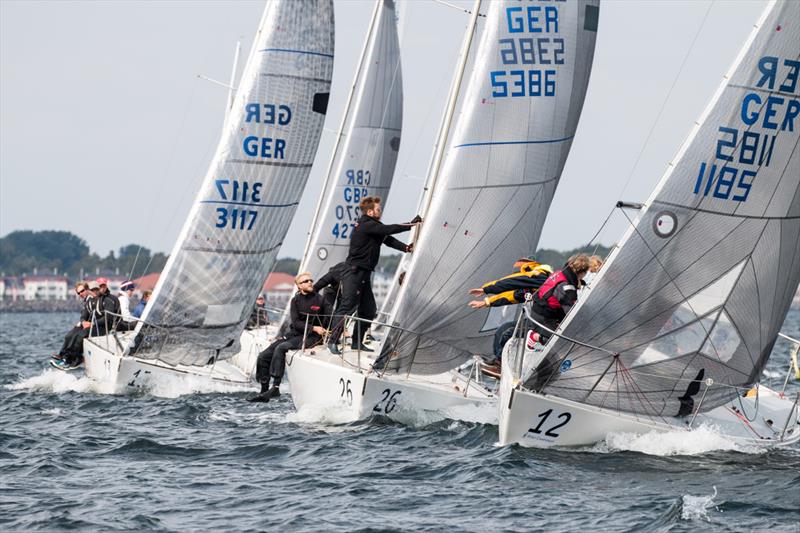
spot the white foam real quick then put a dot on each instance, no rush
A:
(699, 441)
(246, 418)
(54, 412)
(167, 386)
(173, 386)
(697, 507)
(311, 414)
(60, 382)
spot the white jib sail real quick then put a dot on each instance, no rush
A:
(366, 153)
(250, 193)
(703, 279)
(518, 115)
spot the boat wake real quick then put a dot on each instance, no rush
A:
(704, 439)
(58, 382)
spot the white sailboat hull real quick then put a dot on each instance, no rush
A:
(104, 363)
(536, 420)
(328, 384)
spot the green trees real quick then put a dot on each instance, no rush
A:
(23, 251)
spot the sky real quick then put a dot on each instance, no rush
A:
(107, 131)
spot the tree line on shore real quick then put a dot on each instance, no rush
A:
(45, 252)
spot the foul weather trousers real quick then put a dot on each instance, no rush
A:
(356, 297)
(272, 361)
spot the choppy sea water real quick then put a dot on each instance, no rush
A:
(190, 456)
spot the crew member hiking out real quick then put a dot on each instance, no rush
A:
(71, 354)
(306, 307)
(555, 298)
(515, 288)
(106, 310)
(356, 284)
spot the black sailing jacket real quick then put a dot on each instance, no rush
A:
(366, 240)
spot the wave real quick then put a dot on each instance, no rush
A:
(704, 439)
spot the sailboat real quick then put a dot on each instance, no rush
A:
(229, 242)
(364, 156)
(681, 320)
(490, 190)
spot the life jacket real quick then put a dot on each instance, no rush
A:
(545, 297)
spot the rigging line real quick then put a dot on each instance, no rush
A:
(448, 4)
(560, 336)
(666, 98)
(602, 227)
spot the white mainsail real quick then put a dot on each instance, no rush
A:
(250, 193)
(702, 281)
(365, 156)
(518, 115)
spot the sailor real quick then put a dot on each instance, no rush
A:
(106, 310)
(595, 264)
(362, 258)
(306, 307)
(329, 285)
(139, 309)
(71, 352)
(124, 297)
(512, 289)
(554, 299)
(258, 317)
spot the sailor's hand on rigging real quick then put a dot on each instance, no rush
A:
(319, 330)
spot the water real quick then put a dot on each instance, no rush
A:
(189, 457)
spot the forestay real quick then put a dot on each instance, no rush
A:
(704, 277)
(250, 193)
(364, 160)
(517, 118)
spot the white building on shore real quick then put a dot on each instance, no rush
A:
(45, 288)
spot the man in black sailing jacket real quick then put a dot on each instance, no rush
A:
(362, 258)
(307, 308)
(71, 352)
(106, 310)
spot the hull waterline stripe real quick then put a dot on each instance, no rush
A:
(304, 52)
(494, 143)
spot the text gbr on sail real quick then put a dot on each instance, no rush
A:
(271, 114)
(764, 112)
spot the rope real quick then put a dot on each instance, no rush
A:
(580, 343)
(666, 99)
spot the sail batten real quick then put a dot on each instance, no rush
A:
(700, 284)
(250, 193)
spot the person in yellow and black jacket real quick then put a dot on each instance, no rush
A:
(512, 289)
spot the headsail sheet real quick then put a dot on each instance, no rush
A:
(517, 116)
(364, 165)
(703, 279)
(250, 193)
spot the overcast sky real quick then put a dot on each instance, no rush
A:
(106, 131)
